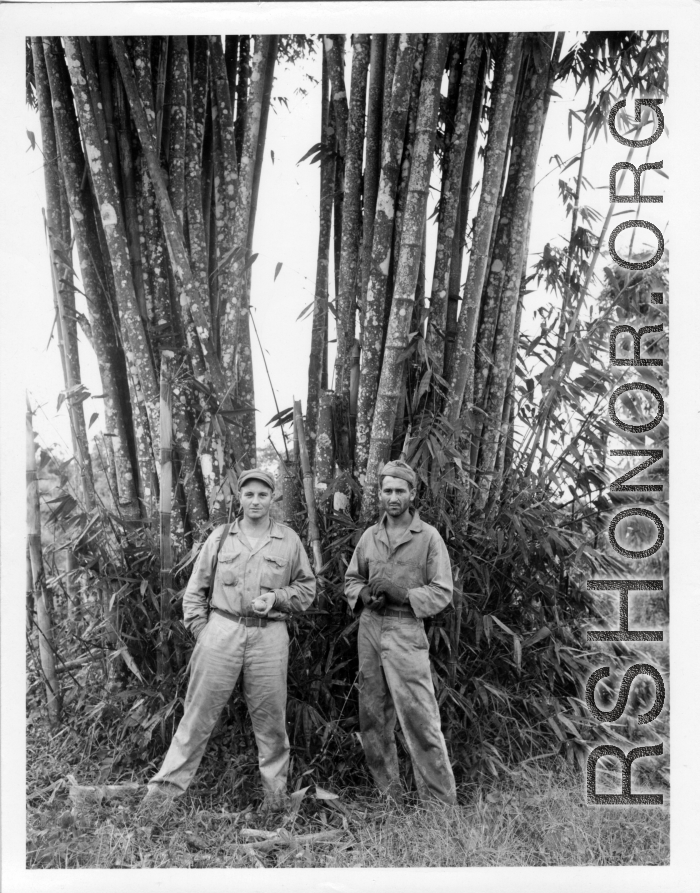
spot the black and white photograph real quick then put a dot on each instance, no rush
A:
(336, 445)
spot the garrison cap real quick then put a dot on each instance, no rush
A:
(257, 474)
(399, 469)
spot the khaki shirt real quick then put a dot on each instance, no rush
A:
(277, 563)
(419, 562)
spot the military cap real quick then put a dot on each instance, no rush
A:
(256, 474)
(399, 469)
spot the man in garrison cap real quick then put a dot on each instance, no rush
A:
(254, 573)
(399, 574)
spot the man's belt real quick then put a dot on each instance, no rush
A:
(396, 612)
(246, 620)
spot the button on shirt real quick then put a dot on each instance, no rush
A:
(276, 563)
(418, 561)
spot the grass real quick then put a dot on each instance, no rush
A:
(536, 816)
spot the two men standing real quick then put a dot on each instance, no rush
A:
(399, 574)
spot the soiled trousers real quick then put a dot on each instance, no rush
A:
(395, 680)
(224, 649)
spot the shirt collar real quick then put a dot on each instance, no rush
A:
(275, 530)
(415, 526)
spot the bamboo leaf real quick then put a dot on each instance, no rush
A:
(283, 416)
(311, 151)
(323, 794)
(503, 626)
(93, 419)
(572, 161)
(305, 311)
(541, 633)
(518, 653)
(278, 267)
(272, 155)
(130, 662)
(251, 260)
(198, 386)
(233, 254)
(32, 140)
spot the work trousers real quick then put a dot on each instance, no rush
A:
(395, 680)
(224, 649)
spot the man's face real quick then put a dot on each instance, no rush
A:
(256, 499)
(395, 495)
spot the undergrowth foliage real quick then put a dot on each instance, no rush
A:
(507, 657)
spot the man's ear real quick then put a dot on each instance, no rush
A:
(412, 494)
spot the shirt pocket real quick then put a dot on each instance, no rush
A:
(408, 573)
(228, 570)
(275, 572)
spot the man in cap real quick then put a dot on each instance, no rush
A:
(400, 573)
(261, 575)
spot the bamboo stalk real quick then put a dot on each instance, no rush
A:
(160, 92)
(319, 326)
(333, 45)
(226, 186)
(40, 594)
(352, 213)
(354, 390)
(373, 159)
(178, 122)
(458, 243)
(231, 57)
(324, 442)
(242, 91)
(246, 381)
(200, 89)
(75, 405)
(102, 173)
(131, 210)
(105, 342)
(512, 237)
(232, 315)
(30, 590)
(58, 228)
(176, 247)
(291, 494)
(394, 126)
(503, 97)
(449, 200)
(407, 270)
(166, 485)
(407, 155)
(314, 533)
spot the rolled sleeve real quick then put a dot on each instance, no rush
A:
(195, 607)
(300, 592)
(357, 574)
(436, 594)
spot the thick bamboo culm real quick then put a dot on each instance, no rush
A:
(166, 489)
(291, 495)
(324, 441)
(40, 594)
(314, 534)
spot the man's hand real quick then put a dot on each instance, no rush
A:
(394, 595)
(264, 603)
(197, 630)
(369, 600)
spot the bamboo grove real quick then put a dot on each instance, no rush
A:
(152, 150)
